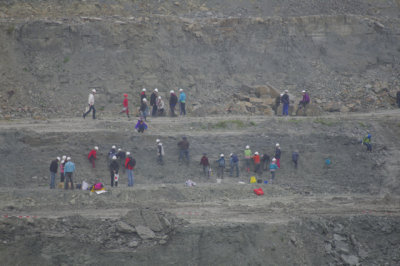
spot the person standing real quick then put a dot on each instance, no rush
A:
(91, 105)
(129, 166)
(247, 158)
(142, 95)
(367, 142)
(295, 158)
(206, 165)
(114, 168)
(160, 152)
(304, 102)
(173, 100)
(69, 169)
(272, 168)
(53, 172)
(121, 155)
(278, 155)
(125, 104)
(285, 102)
(398, 98)
(234, 163)
(160, 106)
(182, 101)
(277, 103)
(92, 156)
(184, 149)
(153, 102)
(221, 166)
(257, 163)
(265, 161)
(144, 109)
(62, 164)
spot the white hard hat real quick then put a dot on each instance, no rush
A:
(157, 140)
(58, 159)
(231, 154)
(94, 90)
(180, 89)
(281, 94)
(96, 148)
(144, 99)
(156, 90)
(222, 155)
(303, 91)
(247, 147)
(128, 153)
(144, 89)
(159, 97)
(68, 158)
(286, 91)
(113, 147)
(256, 153)
(277, 144)
(62, 161)
(114, 157)
(64, 157)
(119, 149)
(171, 91)
(273, 159)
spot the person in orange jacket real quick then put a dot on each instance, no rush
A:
(125, 104)
(256, 159)
(93, 155)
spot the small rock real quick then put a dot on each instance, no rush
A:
(123, 227)
(338, 237)
(162, 242)
(145, 232)
(133, 244)
(350, 259)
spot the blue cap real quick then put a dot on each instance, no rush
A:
(369, 136)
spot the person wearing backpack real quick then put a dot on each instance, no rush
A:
(173, 100)
(182, 101)
(92, 156)
(129, 166)
(153, 102)
(91, 105)
(234, 163)
(112, 152)
(114, 167)
(221, 166)
(53, 172)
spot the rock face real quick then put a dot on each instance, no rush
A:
(51, 59)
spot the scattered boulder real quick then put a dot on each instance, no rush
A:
(123, 227)
(144, 232)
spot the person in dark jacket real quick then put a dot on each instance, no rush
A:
(144, 109)
(206, 165)
(153, 102)
(285, 102)
(398, 99)
(53, 172)
(183, 146)
(121, 155)
(265, 161)
(142, 95)
(295, 158)
(221, 166)
(173, 100)
(278, 155)
(234, 163)
(114, 168)
(277, 103)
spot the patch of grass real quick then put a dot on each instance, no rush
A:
(252, 124)
(66, 59)
(25, 69)
(10, 29)
(325, 122)
(362, 124)
(292, 120)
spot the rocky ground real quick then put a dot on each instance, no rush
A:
(345, 214)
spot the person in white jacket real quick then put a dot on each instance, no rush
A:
(91, 104)
(160, 106)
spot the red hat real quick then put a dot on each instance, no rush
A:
(125, 95)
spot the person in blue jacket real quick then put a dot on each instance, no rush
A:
(285, 102)
(221, 166)
(234, 163)
(272, 168)
(141, 126)
(69, 169)
(182, 101)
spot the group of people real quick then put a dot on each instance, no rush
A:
(67, 168)
(285, 100)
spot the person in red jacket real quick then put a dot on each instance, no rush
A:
(125, 103)
(206, 165)
(93, 155)
(129, 166)
(256, 159)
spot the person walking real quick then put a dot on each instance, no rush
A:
(272, 168)
(234, 164)
(247, 158)
(265, 161)
(114, 168)
(183, 146)
(206, 165)
(125, 104)
(160, 106)
(221, 166)
(144, 109)
(129, 166)
(182, 101)
(278, 155)
(92, 156)
(62, 164)
(69, 169)
(173, 100)
(53, 172)
(160, 152)
(141, 126)
(295, 158)
(285, 102)
(304, 102)
(277, 103)
(153, 102)
(143, 95)
(367, 142)
(91, 105)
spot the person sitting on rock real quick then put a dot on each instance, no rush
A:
(304, 102)
(141, 126)
(367, 142)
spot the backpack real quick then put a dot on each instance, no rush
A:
(132, 162)
(221, 162)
